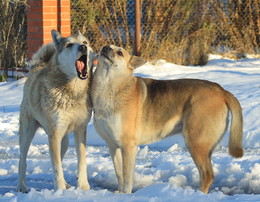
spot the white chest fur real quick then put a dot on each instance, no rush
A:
(109, 126)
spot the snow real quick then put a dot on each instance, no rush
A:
(164, 170)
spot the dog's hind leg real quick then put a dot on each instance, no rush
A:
(202, 158)
(203, 128)
(28, 127)
(116, 156)
(201, 154)
(80, 144)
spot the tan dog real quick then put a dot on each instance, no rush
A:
(129, 111)
(56, 99)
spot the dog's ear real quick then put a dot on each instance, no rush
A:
(136, 61)
(56, 36)
(78, 32)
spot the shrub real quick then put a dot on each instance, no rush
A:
(180, 31)
(13, 47)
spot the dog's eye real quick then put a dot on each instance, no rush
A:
(85, 42)
(69, 45)
(120, 53)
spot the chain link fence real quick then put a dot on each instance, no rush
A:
(180, 31)
(104, 22)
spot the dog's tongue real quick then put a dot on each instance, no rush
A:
(80, 65)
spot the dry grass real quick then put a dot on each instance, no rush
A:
(103, 22)
(180, 31)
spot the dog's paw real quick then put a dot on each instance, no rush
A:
(84, 186)
(68, 186)
(22, 188)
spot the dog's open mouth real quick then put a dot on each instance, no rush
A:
(81, 67)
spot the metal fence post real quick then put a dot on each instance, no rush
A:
(137, 27)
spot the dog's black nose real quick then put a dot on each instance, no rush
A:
(106, 49)
(107, 52)
(83, 48)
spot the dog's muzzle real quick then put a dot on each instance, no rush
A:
(108, 53)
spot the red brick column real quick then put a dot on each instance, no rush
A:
(42, 17)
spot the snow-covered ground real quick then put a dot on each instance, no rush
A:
(164, 170)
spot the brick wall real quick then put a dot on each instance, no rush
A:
(42, 17)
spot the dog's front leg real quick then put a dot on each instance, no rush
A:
(80, 144)
(129, 157)
(27, 130)
(55, 152)
(116, 156)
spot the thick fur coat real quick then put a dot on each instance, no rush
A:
(129, 111)
(56, 98)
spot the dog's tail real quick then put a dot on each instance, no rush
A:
(236, 128)
(42, 56)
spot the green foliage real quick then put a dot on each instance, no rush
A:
(2, 78)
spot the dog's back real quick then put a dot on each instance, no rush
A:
(41, 58)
